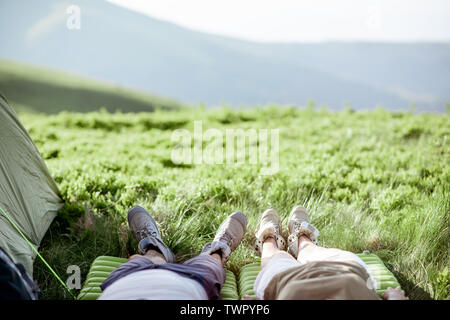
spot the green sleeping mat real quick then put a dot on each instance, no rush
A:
(104, 265)
(381, 274)
(233, 289)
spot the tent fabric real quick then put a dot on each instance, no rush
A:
(28, 193)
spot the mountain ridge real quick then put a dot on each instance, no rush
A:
(40, 89)
(135, 50)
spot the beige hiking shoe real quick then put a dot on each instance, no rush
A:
(299, 225)
(269, 227)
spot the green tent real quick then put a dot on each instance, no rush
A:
(28, 194)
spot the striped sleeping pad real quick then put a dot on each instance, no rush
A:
(234, 287)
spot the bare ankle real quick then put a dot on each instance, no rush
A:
(218, 258)
(269, 249)
(155, 257)
(271, 240)
(303, 242)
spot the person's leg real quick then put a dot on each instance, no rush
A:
(151, 247)
(303, 241)
(152, 255)
(270, 252)
(218, 258)
(207, 268)
(303, 244)
(146, 232)
(308, 251)
(270, 244)
(228, 237)
(210, 263)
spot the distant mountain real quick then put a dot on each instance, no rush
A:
(35, 89)
(135, 50)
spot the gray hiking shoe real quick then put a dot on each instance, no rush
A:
(145, 230)
(269, 227)
(298, 225)
(228, 236)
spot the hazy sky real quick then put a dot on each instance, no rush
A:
(313, 20)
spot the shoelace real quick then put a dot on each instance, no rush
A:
(296, 233)
(146, 233)
(296, 225)
(227, 237)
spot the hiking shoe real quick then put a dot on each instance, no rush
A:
(146, 232)
(299, 225)
(269, 227)
(228, 236)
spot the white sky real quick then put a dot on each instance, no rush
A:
(300, 20)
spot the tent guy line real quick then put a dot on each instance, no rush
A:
(38, 254)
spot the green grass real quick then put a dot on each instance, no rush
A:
(375, 181)
(35, 89)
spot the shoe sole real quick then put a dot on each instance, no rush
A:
(279, 239)
(137, 209)
(296, 209)
(239, 217)
(277, 217)
(275, 213)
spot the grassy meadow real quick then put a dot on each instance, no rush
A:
(371, 180)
